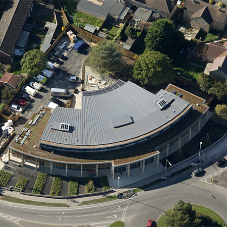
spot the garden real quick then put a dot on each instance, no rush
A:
(209, 134)
(30, 181)
(207, 37)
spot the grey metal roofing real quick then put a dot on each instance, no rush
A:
(128, 44)
(102, 10)
(92, 125)
(122, 121)
(46, 43)
(116, 9)
(22, 39)
(142, 13)
(90, 28)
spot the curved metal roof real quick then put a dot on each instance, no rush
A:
(93, 124)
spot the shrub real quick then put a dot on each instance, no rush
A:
(220, 4)
(56, 186)
(4, 178)
(2, 106)
(40, 181)
(7, 93)
(211, 1)
(90, 187)
(21, 182)
(105, 183)
(8, 68)
(73, 186)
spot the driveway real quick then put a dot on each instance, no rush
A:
(72, 65)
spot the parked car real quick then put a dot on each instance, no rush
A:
(50, 65)
(165, 177)
(195, 162)
(20, 101)
(54, 59)
(63, 45)
(16, 108)
(25, 96)
(29, 90)
(59, 54)
(57, 101)
(47, 73)
(220, 161)
(74, 79)
(40, 78)
(150, 222)
(35, 85)
(197, 171)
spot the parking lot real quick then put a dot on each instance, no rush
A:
(71, 66)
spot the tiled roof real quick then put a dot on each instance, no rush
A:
(10, 79)
(197, 5)
(165, 6)
(204, 13)
(220, 62)
(214, 50)
(16, 26)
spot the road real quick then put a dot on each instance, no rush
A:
(150, 203)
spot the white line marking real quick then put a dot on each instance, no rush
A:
(113, 216)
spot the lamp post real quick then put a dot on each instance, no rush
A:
(61, 218)
(118, 178)
(200, 144)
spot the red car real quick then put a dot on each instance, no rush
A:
(20, 101)
(149, 223)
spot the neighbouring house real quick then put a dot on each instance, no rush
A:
(204, 16)
(218, 69)
(10, 79)
(209, 51)
(160, 8)
(11, 25)
(103, 9)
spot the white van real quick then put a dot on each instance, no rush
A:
(29, 90)
(47, 73)
(60, 92)
(50, 65)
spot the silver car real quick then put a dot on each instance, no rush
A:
(197, 171)
(16, 108)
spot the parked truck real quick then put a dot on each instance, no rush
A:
(71, 36)
(78, 45)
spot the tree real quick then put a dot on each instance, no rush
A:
(220, 90)
(33, 62)
(153, 67)
(211, 1)
(7, 93)
(130, 31)
(8, 68)
(205, 82)
(159, 36)
(221, 110)
(178, 38)
(220, 4)
(105, 58)
(183, 216)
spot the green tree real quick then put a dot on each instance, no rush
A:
(130, 31)
(33, 62)
(219, 90)
(183, 216)
(221, 110)
(7, 93)
(205, 82)
(211, 1)
(220, 4)
(160, 36)
(8, 68)
(153, 67)
(178, 38)
(105, 58)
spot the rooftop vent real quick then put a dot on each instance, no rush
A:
(64, 127)
(162, 103)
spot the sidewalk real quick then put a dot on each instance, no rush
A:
(134, 181)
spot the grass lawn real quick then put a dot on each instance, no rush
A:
(117, 224)
(113, 32)
(23, 201)
(83, 19)
(212, 35)
(106, 199)
(197, 208)
(179, 62)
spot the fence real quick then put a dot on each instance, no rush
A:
(63, 12)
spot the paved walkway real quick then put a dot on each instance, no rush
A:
(150, 175)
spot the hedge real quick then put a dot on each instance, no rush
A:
(90, 187)
(40, 181)
(56, 186)
(73, 186)
(21, 182)
(4, 178)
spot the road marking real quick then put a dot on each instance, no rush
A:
(47, 216)
(126, 207)
(113, 216)
(10, 218)
(100, 223)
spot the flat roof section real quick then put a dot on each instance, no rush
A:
(93, 126)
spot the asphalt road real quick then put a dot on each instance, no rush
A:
(150, 203)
